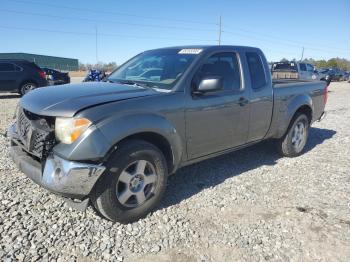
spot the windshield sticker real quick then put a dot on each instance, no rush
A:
(191, 51)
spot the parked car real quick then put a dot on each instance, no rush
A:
(347, 76)
(56, 77)
(326, 74)
(336, 74)
(342, 75)
(293, 70)
(114, 143)
(20, 76)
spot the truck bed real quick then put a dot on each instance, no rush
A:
(287, 92)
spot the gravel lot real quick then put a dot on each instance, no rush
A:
(249, 205)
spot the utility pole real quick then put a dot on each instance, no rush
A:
(220, 30)
(96, 45)
(302, 55)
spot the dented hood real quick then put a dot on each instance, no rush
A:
(67, 100)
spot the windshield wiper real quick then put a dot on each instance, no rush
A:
(134, 83)
(128, 82)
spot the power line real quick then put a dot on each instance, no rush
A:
(103, 21)
(290, 42)
(100, 34)
(111, 12)
(284, 42)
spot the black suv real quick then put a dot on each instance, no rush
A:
(20, 76)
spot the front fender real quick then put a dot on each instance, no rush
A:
(115, 129)
(98, 140)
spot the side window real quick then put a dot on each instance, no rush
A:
(256, 70)
(302, 67)
(224, 65)
(7, 67)
(310, 67)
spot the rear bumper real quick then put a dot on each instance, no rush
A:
(66, 178)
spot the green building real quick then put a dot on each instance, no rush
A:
(54, 62)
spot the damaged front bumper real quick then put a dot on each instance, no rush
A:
(70, 179)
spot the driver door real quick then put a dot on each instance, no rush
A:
(217, 121)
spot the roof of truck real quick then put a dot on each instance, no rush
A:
(209, 47)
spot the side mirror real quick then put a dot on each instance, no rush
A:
(209, 84)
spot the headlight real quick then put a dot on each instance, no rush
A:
(67, 130)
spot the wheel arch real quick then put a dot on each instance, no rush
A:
(158, 141)
(151, 128)
(302, 103)
(305, 109)
(27, 80)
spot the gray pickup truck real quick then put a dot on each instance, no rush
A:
(114, 143)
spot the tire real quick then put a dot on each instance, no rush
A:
(293, 142)
(27, 87)
(118, 195)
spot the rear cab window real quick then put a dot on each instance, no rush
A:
(284, 66)
(256, 70)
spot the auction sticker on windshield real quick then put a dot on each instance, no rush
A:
(192, 51)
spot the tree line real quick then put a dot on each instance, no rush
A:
(337, 62)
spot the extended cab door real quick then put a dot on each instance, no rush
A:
(216, 121)
(261, 102)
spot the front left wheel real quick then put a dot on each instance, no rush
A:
(133, 183)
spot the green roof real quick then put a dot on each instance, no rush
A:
(59, 63)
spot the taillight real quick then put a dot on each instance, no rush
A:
(42, 74)
(325, 94)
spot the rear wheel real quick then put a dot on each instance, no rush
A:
(27, 87)
(133, 184)
(293, 142)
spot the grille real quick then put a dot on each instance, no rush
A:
(34, 133)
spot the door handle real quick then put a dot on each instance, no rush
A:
(243, 101)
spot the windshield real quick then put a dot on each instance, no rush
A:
(157, 68)
(285, 66)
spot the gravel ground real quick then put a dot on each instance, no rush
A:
(249, 205)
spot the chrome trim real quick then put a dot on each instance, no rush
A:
(68, 177)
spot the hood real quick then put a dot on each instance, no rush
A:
(67, 100)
